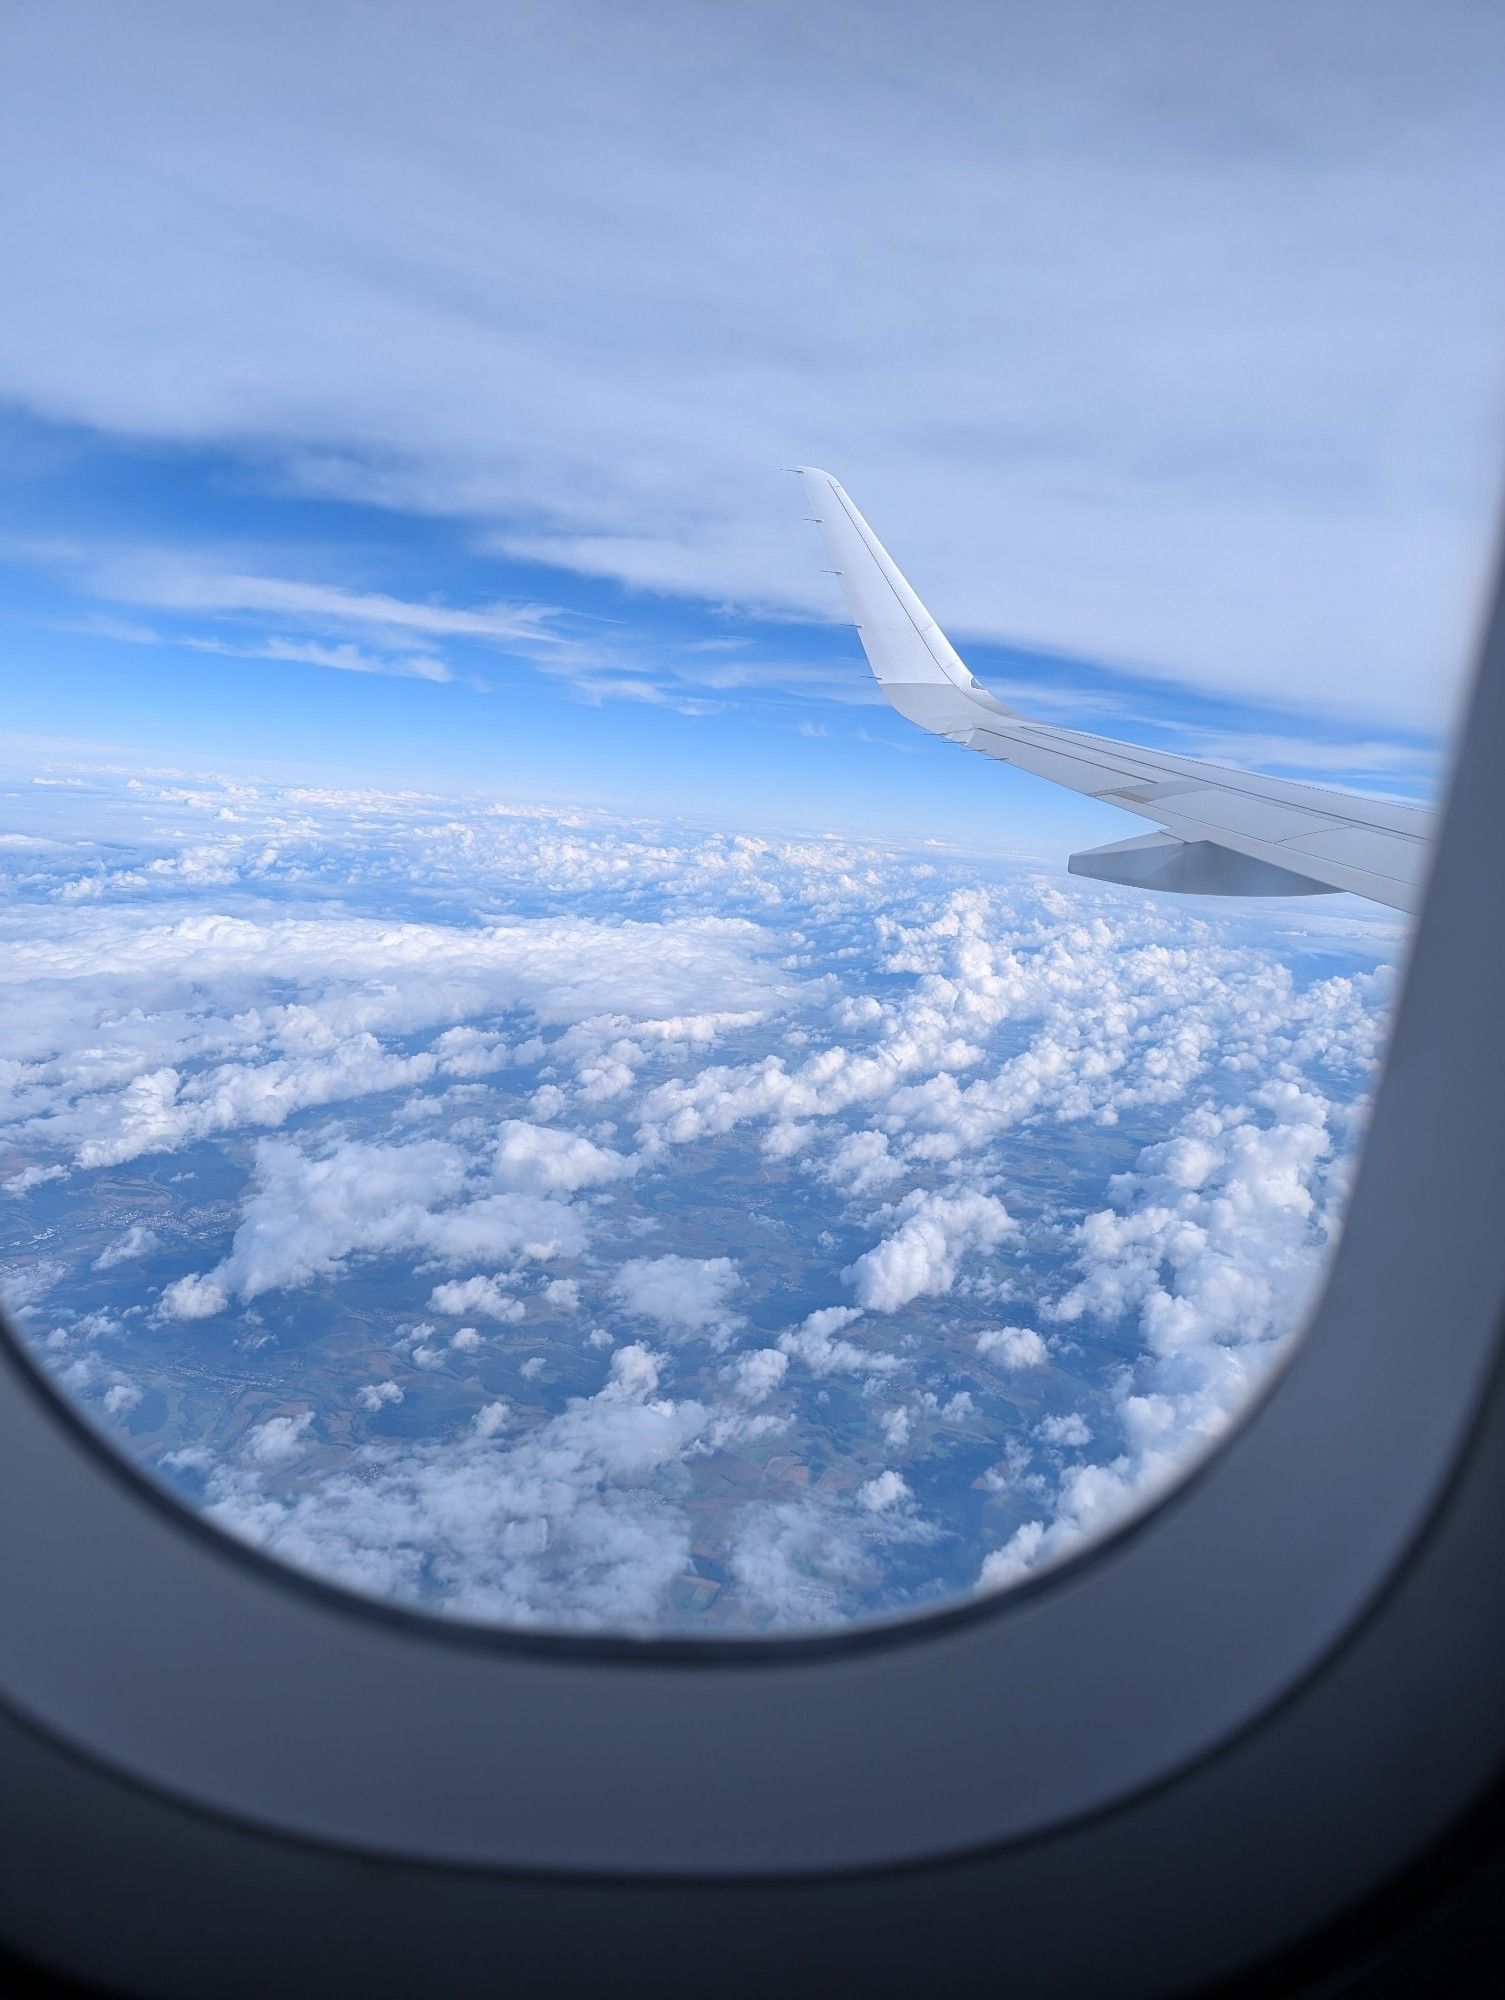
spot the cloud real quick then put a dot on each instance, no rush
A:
(568, 1524)
(168, 580)
(344, 659)
(1199, 476)
(924, 1253)
(1012, 1347)
(479, 1294)
(376, 1395)
(1213, 1249)
(309, 1212)
(278, 1439)
(1069, 1431)
(196, 1296)
(31, 1177)
(137, 1241)
(681, 1295)
(887, 1489)
(815, 1342)
(537, 1156)
(758, 1374)
(169, 1035)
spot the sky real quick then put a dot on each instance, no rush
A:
(406, 392)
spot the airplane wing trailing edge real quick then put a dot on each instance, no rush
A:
(1221, 832)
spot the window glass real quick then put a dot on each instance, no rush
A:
(534, 1092)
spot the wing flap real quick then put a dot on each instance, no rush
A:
(1190, 867)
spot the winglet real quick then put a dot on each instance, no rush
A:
(912, 660)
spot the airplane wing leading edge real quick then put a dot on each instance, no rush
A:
(1220, 832)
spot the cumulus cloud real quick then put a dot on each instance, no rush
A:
(478, 1294)
(1070, 1430)
(681, 1295)
(137, 1241)
(536, 1156)
(924, 1253)
(1012, 1347)
(758, 1374)
(278, 1439)
(194, 1297)
(377, 1395)
(1214, 1248)
(887, 1489)
(309, 1212)
(817, 1342)
(569, 1523)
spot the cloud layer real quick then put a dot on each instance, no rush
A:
(563, 1220)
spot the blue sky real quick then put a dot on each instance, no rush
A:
(411, 403)
(138, 637)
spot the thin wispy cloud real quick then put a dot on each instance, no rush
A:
(169, 582)
(345, 659)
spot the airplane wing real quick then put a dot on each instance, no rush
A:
(1221, 832)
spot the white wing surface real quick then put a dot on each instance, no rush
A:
(1222, 832)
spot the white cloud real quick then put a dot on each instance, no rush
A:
(194, 1297)
(759, 1373)
(137, 1241)
(1006, 1565)
(816, 1342)
(569, 1523)
(1068, 1430)
(682, 1295)
(309, 1212)
(1215, 1245)
(32, 1177)
(862, 1163)
(924, 1253)
(478, 1294)
(278, 1439)
(886, 1489)
(174, 582)
(1012, 1347)
(376, 1395)
(536, 1156)
(896, 1429)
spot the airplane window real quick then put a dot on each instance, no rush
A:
(550, 1079)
